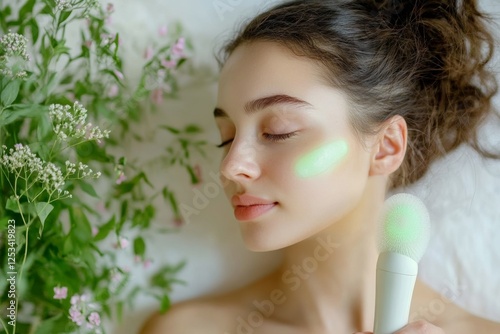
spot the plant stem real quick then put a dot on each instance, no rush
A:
(4, 326)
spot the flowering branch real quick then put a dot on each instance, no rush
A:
(58, 106)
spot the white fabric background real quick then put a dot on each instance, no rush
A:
(462, 192)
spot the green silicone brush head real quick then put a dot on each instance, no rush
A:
(404, 226)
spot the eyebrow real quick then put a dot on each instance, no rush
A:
(265, 102)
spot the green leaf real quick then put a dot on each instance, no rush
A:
(173, 203)
(192, 128)
(164, 304)
(81, 232)
(192, 174)
(139, 246)
(105, 229)
(4, 222)
(47, 10)
(50, 85)
(26, 9)
(164, 277)
(6, 12)
(89, 189)
(10, 92)
(16, 111)
(35, 31)
(57, 324)
(43, 209)
(12, 205)
(170, 129)
(63, 17)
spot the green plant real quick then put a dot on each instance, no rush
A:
(61, 73)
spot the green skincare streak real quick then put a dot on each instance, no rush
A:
(321, 159)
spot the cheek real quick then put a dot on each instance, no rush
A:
(328, 179)
(323, 159)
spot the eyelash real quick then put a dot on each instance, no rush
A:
(270, 137)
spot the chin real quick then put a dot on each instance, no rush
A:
(260, 239)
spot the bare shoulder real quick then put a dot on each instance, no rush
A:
(218, 314)
(441, 309)
(208, 315)
(461, 321)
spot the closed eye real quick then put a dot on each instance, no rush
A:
(279, 137)
(224, 143)
(268, 136)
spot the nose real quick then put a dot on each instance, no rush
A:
(241, 164)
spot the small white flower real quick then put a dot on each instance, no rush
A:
(69, 122)
(14, 44)
(62, 5)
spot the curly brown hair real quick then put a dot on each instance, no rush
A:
(422, 59)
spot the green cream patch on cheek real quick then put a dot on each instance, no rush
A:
(321, 159)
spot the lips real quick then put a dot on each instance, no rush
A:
(248, 207)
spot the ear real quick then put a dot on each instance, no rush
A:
(390, 147)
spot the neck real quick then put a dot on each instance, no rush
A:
(330, 277)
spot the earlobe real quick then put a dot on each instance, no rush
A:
(389, 151)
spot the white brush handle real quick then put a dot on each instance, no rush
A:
(396, 276)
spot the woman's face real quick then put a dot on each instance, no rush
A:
(289, 143)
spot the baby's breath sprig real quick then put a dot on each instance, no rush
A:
(14, 44)
(25, 165)
(69, 123)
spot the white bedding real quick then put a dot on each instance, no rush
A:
(462, 194)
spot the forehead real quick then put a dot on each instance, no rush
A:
(261, 68)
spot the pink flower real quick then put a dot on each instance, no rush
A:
(110, 8)
(75, 299)
(197, 172)
(147, 263)
(178, 221)
(162, 30)
(148, 53)
(169, 63)
(95, 230)
(178, 48)
(118, 74)
(113, 90)
(137, 259)
(60, 293)
(88, 43)
(121, 178)
(85, 297)
(76, 316)
(122, 243)
(94, 319)
(157, 96)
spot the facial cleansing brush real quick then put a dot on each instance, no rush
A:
(402, 240)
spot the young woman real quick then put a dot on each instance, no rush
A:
(323, 107)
